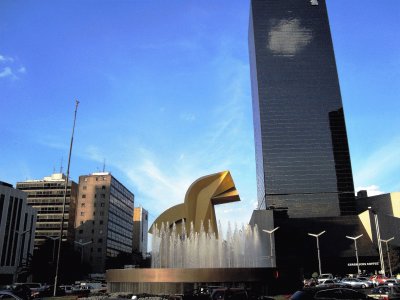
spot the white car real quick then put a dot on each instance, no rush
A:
(323, 277)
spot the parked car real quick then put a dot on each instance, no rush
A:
(366, 279)
(340, 293)
(229, 294)
(323, 277)
(9, 295)
(355, 283)
(21, 290)
(391, 281)
(331, 283)
(331, 294)
(385, 292)
(378, 279)
(48, 292)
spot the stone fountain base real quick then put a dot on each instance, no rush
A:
(185, 281)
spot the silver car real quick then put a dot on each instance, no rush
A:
(355, 283)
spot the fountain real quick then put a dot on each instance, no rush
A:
(190, 249)
(238, 249)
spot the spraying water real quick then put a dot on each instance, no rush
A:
(239, 248)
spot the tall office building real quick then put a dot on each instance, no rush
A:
(140, 230)
(17, 231)
(302, 153)
(104, 219)
(47, 196)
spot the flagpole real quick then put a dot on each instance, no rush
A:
(64, 201)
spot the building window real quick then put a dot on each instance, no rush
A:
(99, 249)
(94, 213)
(103, 187)
(83, 195)
(80, 231)
(84, 187)
(100, 240)
(81, 222)
(103, 196)
(82, 213)
(102, 213)
(92, 230)
(85, 179)
(83, 204)
(102, 204)
(93, 222)
(101, 222)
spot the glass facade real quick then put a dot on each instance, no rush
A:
(302, 154)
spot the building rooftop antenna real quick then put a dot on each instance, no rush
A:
(104, 165)
(61, 164)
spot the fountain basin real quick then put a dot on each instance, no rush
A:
(168, 281)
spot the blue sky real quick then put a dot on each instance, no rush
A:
(165, 93)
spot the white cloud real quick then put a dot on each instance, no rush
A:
(288, 37)
(10, 70)
(7, 72)
(372, 190)
(188, 117)
(4, 59)
(381, 167)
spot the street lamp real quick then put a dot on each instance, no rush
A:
(54, 238)
(388, 254)
(355, 245)
(319, 255)
(270, 232)
(378, 238)
(82, 245)
(21, 243)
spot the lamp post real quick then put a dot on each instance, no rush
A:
(54, 238)
(388, 254)
(21, 243)
(82, 245)
(319, 255)
(378, 239)
(354, 238)
(270, 232)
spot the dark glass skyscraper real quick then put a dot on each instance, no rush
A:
(302, 153)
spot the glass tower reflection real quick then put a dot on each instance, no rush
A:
(302, 153)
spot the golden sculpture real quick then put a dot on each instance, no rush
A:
(198, 207)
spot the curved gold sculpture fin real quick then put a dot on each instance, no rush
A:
(198, 207)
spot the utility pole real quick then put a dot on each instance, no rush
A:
(64, 201)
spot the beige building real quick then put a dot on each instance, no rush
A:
(104, 221)
(17, 231)
(140, 228)
(47, 196)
